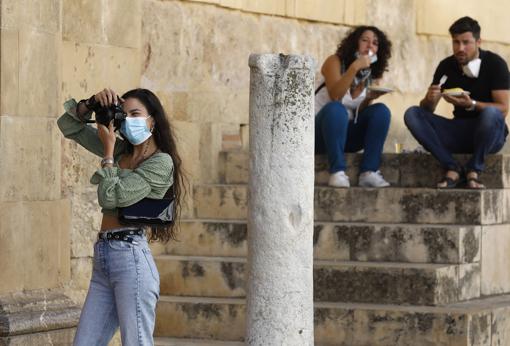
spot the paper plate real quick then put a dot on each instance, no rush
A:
(379, 89)
(456, 93)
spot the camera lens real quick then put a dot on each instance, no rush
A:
(104, 115)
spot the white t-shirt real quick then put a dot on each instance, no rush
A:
(322, 98)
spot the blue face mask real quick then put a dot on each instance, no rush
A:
(135, 130)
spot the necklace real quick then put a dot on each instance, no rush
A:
(144, 155)
(145, 149)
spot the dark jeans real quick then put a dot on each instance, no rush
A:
(335, 134)
(443, 137)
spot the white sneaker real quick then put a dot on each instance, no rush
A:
(339, 179)
(372, 179)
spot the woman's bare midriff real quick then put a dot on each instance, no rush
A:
(109, 222)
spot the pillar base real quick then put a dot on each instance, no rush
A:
(37, 318)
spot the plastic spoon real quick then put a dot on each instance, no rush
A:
(443, 80)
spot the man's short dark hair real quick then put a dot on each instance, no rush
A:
(465, 24)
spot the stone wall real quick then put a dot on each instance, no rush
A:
(194, 55)
(101, 47)
(34, 216)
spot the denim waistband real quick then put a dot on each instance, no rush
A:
(121, 229)
(121, 233)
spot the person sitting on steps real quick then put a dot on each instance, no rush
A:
(478, 81)
(346, 120)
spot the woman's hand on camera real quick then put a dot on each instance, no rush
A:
(106, 97)
(107, 137)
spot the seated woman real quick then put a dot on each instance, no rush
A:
(346, 120)
(144, 163)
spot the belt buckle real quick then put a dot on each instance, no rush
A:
(130, 240)
(122, 235)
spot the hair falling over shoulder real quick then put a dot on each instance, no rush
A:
(349, 45)
(164, 136)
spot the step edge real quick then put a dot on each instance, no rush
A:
(320, 263)
(325, 187)
(347, 223)
(487, 303)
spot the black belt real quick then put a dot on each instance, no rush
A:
(122, 234)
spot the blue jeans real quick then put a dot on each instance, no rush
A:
(335, 134)
(443, 137)
(123, 292)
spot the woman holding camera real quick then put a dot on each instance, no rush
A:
(346, 119)
(124, 287)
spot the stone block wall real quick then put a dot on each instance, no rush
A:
(101, 47)
(34, 217)
(194, 55)
(198, 62)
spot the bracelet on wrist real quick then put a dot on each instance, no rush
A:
(472, 107)
(107, 161)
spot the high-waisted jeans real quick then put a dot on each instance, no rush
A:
(123, 292)
(482, 135)
(335, 134)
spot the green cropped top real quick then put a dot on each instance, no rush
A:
(118, 187)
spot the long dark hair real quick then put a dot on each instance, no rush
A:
(349, 46)
(163, 134)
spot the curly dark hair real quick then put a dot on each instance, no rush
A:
(165, 140)
(349, 46)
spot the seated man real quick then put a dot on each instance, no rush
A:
(476, 82)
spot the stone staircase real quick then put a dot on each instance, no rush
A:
(405, 265)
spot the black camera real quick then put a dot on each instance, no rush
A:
(104, 115)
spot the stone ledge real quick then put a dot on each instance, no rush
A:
(405, 170)
(193, 342)
(204, 318)
(36, 311)
(342, 241)
(395, 283)
(339, 281)
(386, 205)
(58, 337)
(472, 323)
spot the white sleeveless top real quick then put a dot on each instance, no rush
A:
(322, 98)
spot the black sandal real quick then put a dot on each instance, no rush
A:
(476, 180)
(450, 183)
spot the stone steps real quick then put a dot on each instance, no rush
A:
(341, 241)
(395, 266)
(387, 205)
(200, 318)
(334, 281)
(478, 322)
(193, 342)
(406, 170)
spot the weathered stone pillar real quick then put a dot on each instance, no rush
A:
(280, 217)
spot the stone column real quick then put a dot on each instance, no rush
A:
(280, 217)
